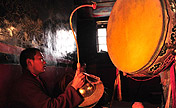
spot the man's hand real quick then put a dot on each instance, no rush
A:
(79, 80)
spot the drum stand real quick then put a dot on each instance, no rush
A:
(171, 92)
(117, 87)
(172, 86)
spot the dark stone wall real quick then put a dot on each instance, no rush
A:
(38, 23)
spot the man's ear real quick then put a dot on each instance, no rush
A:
(29, 62)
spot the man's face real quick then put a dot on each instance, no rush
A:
(39, 64)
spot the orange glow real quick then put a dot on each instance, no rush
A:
(134, 29)
(82, 91)
(137, 105)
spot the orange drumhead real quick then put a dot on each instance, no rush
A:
(135, 33)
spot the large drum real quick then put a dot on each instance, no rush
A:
(141, 36)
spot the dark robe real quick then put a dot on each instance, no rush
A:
(28, 92)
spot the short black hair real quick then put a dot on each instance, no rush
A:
(28, 53)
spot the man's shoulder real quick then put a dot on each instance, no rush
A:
(24, 80)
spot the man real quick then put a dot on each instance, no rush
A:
(30, 92)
